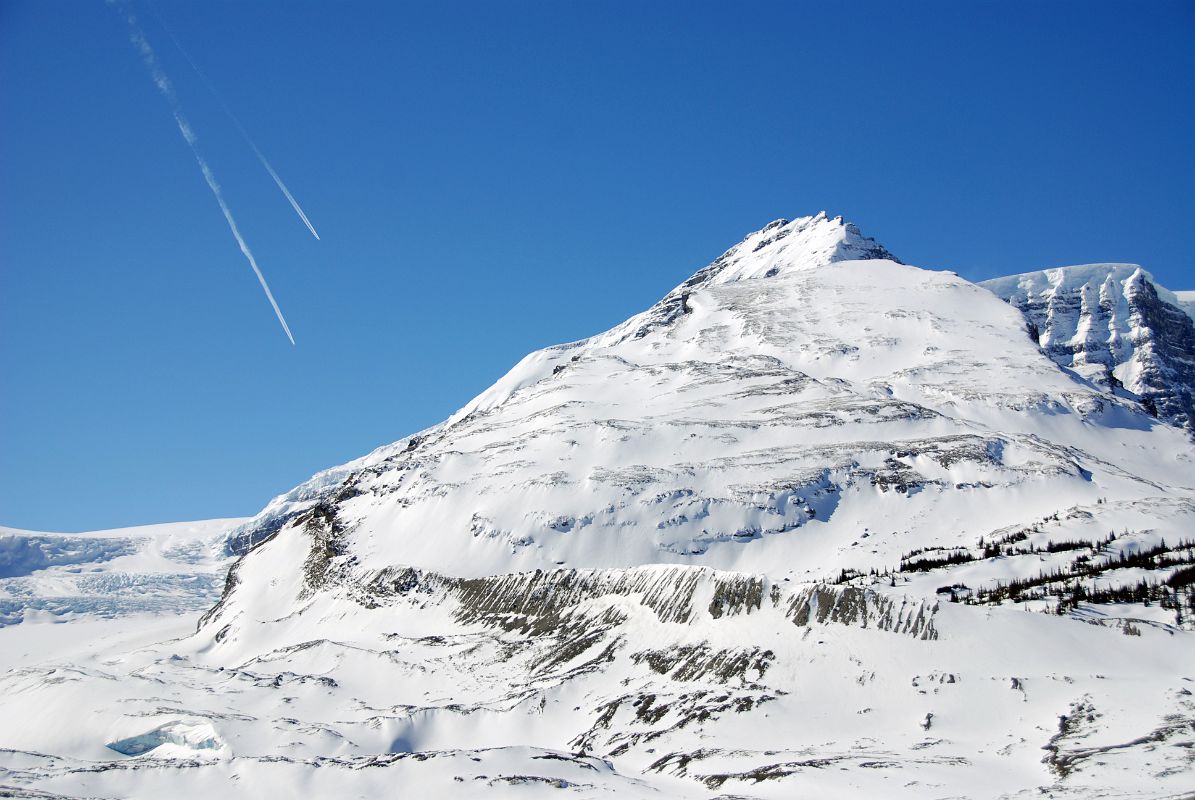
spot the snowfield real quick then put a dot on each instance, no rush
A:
(817, 523)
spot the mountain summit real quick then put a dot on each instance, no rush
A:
(785, 246)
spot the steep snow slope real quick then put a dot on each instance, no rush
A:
(776, 536)
(1115, 326)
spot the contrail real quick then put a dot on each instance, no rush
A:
(235, 121)
(293, 202)
(137, 37)
(232, 223)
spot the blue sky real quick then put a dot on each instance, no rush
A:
(492, 178)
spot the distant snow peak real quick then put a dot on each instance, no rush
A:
(1117, 327)
(782, 247)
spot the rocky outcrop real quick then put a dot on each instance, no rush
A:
(852, 605)
(1115, 326)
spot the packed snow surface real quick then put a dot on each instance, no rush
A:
(817, 523)
(1186, 301)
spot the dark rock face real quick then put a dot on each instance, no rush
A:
(1166, 340)
(852, 605)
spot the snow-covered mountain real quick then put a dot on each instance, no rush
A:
(767, 391)
(815, 523)
(1115, 326)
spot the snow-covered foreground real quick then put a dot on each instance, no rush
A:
(651, 682)
(816, 524)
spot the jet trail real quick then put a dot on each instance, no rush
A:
(293, 202)
(232, 223)
(137, 37)
(235, 121)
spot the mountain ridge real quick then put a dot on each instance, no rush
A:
(780, 248)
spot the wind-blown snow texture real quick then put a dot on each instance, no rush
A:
(817, 523)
